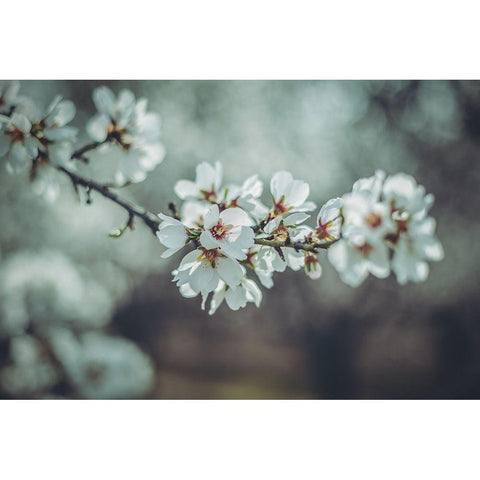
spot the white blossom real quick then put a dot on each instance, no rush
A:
(414, 247)
(404, 195)
(246, 292)
(11, 101)
(329, 221)
(29, 371)
(16, 142)
(125, 123)
(228, 230)
(413, 241)
(53, 133)
(289, 195)
(202, 269)
(354, 261)
(207, 184)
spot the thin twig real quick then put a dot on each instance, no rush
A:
(150, 219)
(79, 154)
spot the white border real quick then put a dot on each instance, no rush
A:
(239, 440)
(231, 39)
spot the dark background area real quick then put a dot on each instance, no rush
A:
(309, 339)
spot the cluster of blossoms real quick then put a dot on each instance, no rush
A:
(39, 141)
(382, 225)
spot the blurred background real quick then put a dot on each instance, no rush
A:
(86, 316)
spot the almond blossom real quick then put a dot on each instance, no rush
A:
(289, 195)
(329, 221)
(202, 269)
(246, 292)
(124, 123)
(206, 186)
(17, 142)
(228, 230)
(53, 133)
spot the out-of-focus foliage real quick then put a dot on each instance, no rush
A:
(117, 327)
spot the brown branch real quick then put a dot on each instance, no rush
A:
(150, 219)
(80, 153)
(306, 246)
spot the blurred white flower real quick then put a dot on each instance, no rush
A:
(289, 195)
(370, 187)
(354, 261)
(413, 241)
(29, 371)
(124, 123)
(53, 132)
(102, 366)
(16, 142)
(416, 244)
(11, 101)
(47, 288)
(8, 97)
(404, 195)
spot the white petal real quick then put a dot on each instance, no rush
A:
(245, 239)
(236, 298)
(22, 122)
(296, 218)
(297, 193)
(204, 279)
(172, 236)
(379, 262)
(185, 189)
(62, 133)
(97, 127)
(279, 184)
(208, 242)
(235, 216)
(230, 271)
(217, 298)
(206, 177)
(104, 100)
(211, 217)
(254, 294)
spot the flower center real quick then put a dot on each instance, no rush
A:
(116, 133)
(279, 206)
(209, 195)
(322, 231)
(365, 249)
(219, 231)
(311, 261)
(210, 256)
(16, 134)
(373, 219)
